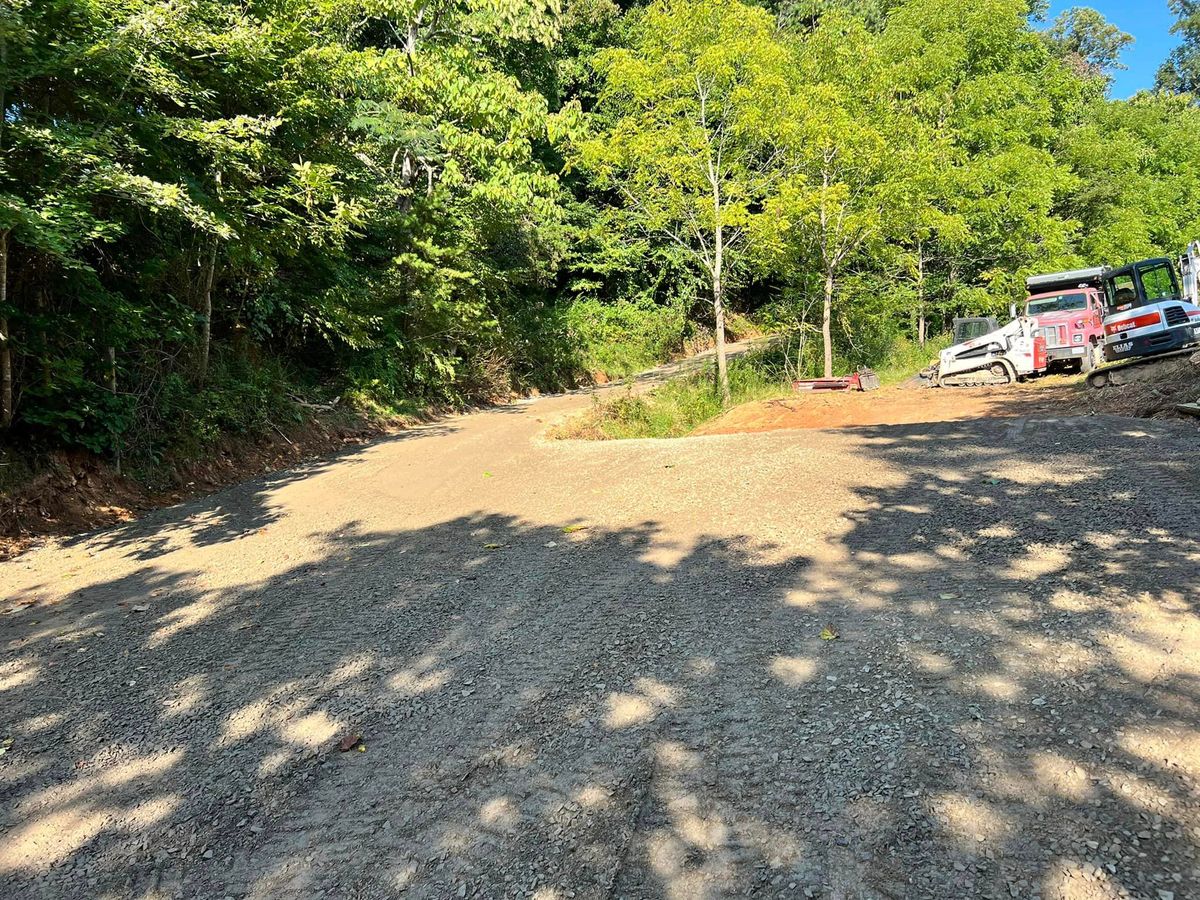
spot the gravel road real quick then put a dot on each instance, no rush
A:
(598, 671)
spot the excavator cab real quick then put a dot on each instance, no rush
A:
(1146, 312)
(1140, 284)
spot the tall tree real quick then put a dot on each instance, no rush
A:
(1180, 74)
(836, 158)
(1090, 43)
(685, 134)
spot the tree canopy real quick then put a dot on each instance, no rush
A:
(208, 208)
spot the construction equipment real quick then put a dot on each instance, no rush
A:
(1148, 319)
(862, 380)
(970, 327)
(999, 357)
(1069, 308)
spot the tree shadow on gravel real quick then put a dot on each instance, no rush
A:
(1008, 708)
(233, 512)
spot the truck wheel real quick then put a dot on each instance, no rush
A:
(1090, 360)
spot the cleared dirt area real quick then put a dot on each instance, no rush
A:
(898, 406)
(599, 670)
(1055, 395)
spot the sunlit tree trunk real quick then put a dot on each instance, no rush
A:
(827, 259)
(206, 311)
(6, 372)
(719, 303)
(921, 323)
(826, 323)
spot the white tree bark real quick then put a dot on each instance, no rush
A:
(206, 311)
(6, 373)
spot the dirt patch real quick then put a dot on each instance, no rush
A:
(1054, 395)
(898, 406)
(72, 492)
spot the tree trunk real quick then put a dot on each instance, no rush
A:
(110, 381)
(206, 310)
(826, 320)
(110, 378)
(921, 324)
(719, 315)
(827, 258)
(6, 375)
(718, 275)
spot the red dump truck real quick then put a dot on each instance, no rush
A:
(1069, 309)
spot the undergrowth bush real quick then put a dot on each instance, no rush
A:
(619, 339)
(682, 404)
(237, 398)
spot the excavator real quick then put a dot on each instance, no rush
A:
(1149, 320)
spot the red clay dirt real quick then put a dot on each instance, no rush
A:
(902, 406)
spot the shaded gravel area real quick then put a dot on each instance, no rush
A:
(598, 671)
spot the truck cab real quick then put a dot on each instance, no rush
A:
(1069, 309)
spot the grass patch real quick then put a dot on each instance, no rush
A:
(906, 358)
(681, 405)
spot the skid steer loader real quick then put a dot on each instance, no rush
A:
(1148, 320)
(999, 357)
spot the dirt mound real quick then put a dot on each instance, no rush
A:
(1156, 394)
(893, 406)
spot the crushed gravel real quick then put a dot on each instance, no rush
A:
(467, 662)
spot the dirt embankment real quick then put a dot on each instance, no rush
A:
(71, 492)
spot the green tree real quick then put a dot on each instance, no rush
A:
(979, 78)
(836, 159)
(684, 132)
(1180, 74)
(1136, 192)
(1090, 43)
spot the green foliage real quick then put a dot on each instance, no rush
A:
(620, 339)
(1180, 74)
(682, 404)
(238, 399)
(432, 202)
(1088, 42)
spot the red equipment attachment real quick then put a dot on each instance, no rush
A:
(862, 380)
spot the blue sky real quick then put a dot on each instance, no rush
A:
(1149, 21)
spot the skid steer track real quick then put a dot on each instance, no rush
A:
(999, 373)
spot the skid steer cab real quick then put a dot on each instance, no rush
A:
(1147, 313)
(1002, 356)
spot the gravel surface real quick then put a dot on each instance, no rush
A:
(600, 670)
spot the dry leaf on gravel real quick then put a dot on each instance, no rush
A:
(350, 741)
(829, 633)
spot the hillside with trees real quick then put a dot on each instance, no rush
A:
(209, 210)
